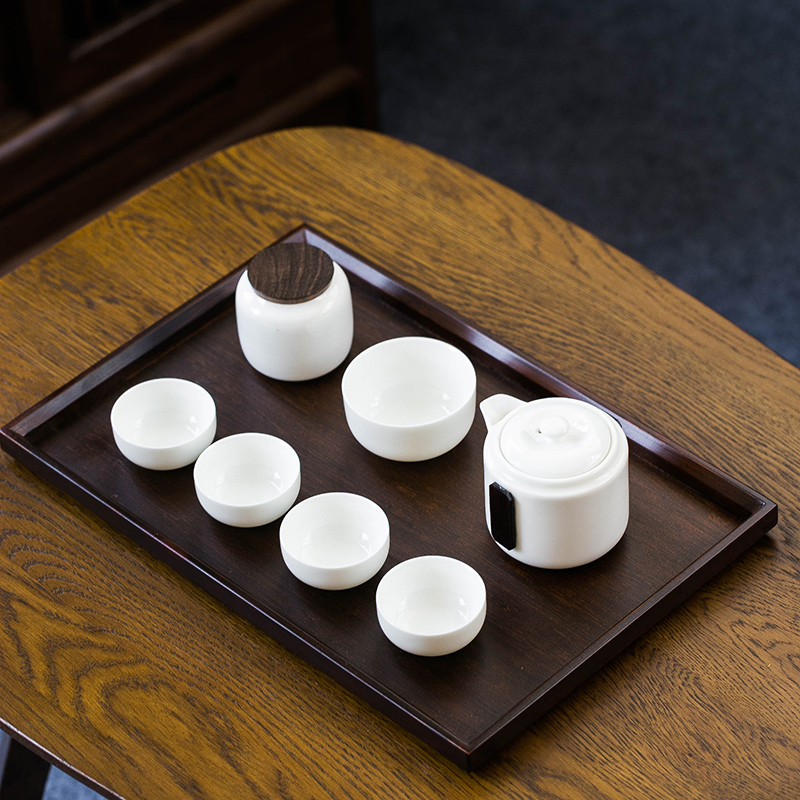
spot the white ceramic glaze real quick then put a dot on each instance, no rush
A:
(164, 423)
(335, 541)
(562, 469)
(247, 479)
(410, 398)
(431, 605)
(296, 341)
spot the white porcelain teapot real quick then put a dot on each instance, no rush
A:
(555, 479)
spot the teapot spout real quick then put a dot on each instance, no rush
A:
(498, 407)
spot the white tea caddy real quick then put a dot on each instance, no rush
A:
(294, 312)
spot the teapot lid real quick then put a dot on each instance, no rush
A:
(556, 438)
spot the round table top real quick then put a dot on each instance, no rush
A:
(130, 677)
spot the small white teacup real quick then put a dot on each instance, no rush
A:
(335, 541)
(164, 423)
(247, 479)
(431, 605)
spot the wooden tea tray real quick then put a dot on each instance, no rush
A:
(545, 632)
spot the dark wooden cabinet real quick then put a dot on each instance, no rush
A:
(100, 97)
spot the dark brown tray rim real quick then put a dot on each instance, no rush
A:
(660, 454)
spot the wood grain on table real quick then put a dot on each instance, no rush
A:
(131, 677)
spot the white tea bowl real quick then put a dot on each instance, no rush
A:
(431, 605)
(247, 479)
(164, 423)
(410, 398)
(335, 541)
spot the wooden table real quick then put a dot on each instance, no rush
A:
(128, 676)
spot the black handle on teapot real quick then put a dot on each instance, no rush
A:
(502, 516)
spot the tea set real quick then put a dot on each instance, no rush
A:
(555, 469)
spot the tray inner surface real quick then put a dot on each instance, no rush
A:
(541, 625)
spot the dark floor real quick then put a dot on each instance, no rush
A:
(670, 129)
